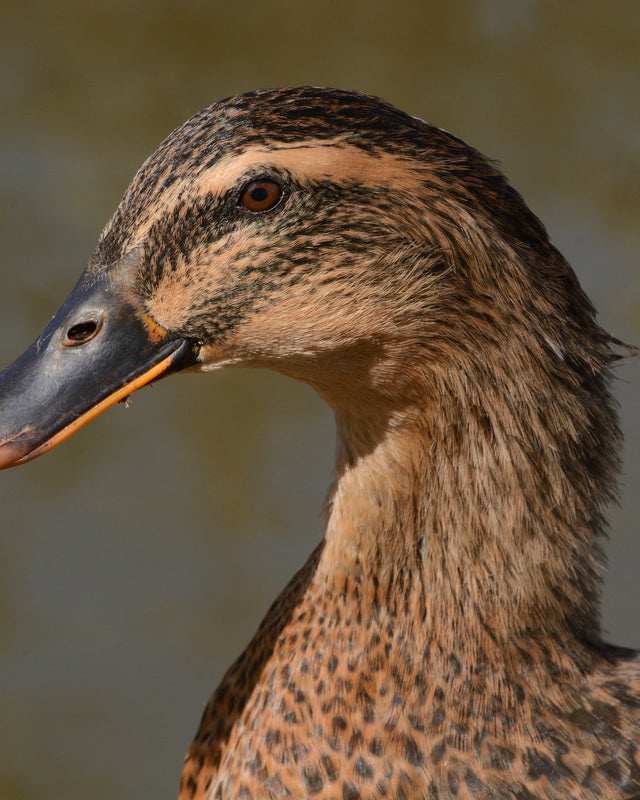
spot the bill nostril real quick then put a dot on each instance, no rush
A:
(82, 332)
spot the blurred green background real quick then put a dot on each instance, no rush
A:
(137, 559)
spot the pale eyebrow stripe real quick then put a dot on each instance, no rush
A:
(313, 161)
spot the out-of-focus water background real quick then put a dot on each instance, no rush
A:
(137, 559)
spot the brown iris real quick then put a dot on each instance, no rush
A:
(261, 195)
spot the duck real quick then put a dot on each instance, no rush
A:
(443, 639)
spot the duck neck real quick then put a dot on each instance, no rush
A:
(453, 510)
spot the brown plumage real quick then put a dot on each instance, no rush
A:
(443, 640)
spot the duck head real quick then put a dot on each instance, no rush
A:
(321, 233)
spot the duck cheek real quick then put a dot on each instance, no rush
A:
(218, 355)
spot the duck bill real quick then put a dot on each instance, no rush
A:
(97, 350)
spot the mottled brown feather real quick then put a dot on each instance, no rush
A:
(443, 641)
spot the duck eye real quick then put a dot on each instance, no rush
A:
(261, 195)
